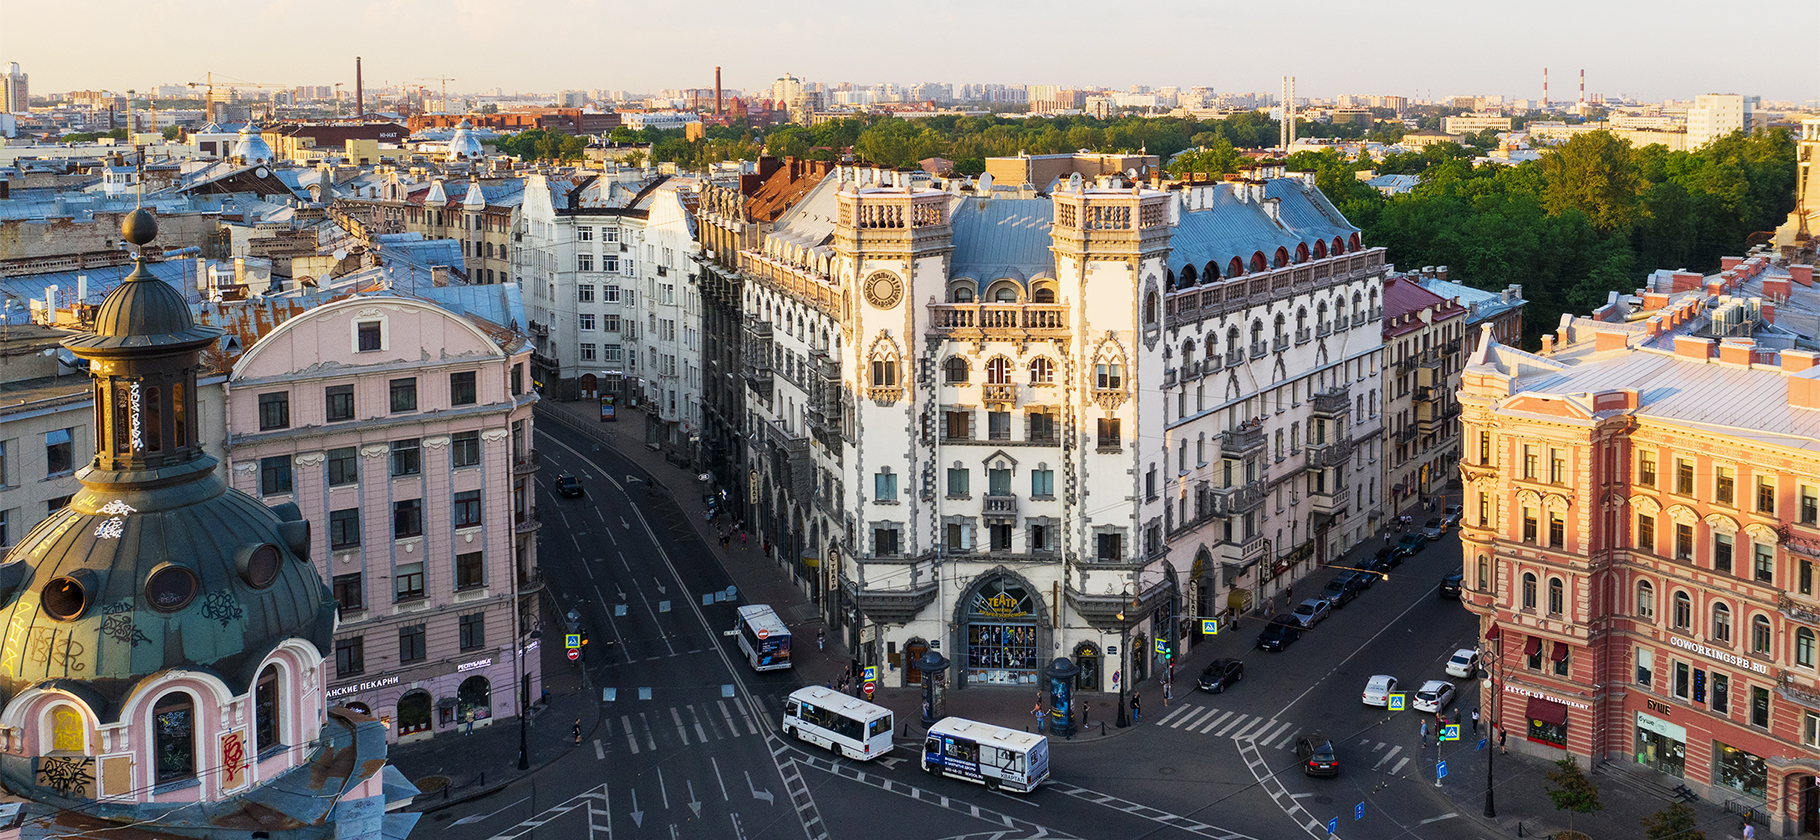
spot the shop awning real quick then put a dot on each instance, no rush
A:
(1534, 647)
(1547, 711)
(1560, 652)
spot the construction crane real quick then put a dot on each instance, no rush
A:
(445, 86)
(231, 83)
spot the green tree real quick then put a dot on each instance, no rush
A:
(1676, 821)
(1218, 159)
(1596, 174)
(1573, 792)
(172, 133)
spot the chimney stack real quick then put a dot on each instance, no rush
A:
(717, 91)
(1544, 90)
(360, 100)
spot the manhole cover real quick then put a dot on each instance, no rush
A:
(1324, 800)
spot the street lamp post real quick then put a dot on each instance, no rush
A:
(1497, 640)
(1124, 674)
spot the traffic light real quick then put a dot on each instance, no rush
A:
(584, 638)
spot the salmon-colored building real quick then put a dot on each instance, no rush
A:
(1642, 522)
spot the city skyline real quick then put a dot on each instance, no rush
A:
(505, 45)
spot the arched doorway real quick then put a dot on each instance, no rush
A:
(414, 712)
(590, 386)
(475, 696)
(1809, 787)
(913, 651)
(998, 620)
(1140, 658)
(1087, 658)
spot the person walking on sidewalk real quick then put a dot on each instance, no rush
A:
(1424, 729)
(820, 640)
(577, 731)
(1137, 706)
(1501, 747)
(1475, 720)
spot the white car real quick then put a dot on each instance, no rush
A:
(1379, 689)
(1434, 696)
(1464, 664)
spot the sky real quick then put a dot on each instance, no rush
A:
(1417, 48)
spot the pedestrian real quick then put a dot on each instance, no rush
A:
(1475, 720)
(1424, 729)
(1136, 706)
(1750, 830)
(546, 697)
(1168, 692)
(1387, 536)
(469, 720)
(1037, 711)
(742, 539)
(820, 640)
(577, 731)
(1501, 748)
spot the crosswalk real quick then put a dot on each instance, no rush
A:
(1267, 732)
(639, 728)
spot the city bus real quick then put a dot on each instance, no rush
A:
(847, 725)
(990, 755)
(763, 638)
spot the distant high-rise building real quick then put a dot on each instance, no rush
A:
(1714, 115)
(1287, 126)
(15, 94)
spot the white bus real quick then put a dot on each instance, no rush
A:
(847, 725)
(763, 638)
(991, 755)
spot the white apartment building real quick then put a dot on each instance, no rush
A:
(1715, 115)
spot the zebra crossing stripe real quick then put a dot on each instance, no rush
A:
(1209, 727)
(676, 715)
(631, 737)
(1230, 726)
(1179, 710)
(732, 726)
(1274, 735)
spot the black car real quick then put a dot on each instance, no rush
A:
(1340, 590)
(1281, 633)
(1450, 586)
(1412, 542)
(1364, 580)
(1221, 675)
(1390, 557)
(568, 486)
(1316, 753)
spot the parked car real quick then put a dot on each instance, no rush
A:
(1221, 675)
(1433, 696)
(1450, 515)
(1364, 580)
(1316, 753)
(569, 486)
(1280, 633)
(1311, 611)
(1378, 690)
(1340, 590)
(1450, 586)
(1391, 555)
(1464, 664)
(1435, 529)
(1412, 542)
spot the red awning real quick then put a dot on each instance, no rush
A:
(1560, 653)
(1534, 647)
(1547, 711)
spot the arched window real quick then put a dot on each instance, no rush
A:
(1004, 294)
(1257, 334)
(961, 294)
(266, 711)
(1320, 315)
(1258, 262)
(998, 371)
(1683, 616)
(1759, 634)
(1722, 623)
(1045, 294)
(1374, 303)
(1529, 590)
(1646, 599)
(954, 370)
(1187, 353)
(1042, 371)
(1352, 243)
(1556, 596)
(1339, 246)
(1301, 320)
(1234, 349)
(884, 372)
(1320, 249)
(1804, 647)
(69, 732)
(1213, 347)
(1235, 268)
(1188, 277)
(1282, 257)
(1150, 308)
(1211, 272)
(174, 737)
(1301, 252)
(1280, 333)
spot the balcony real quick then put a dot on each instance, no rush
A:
(1280, 344)
(526, 521)
(529, 584)
(1001, 395)
(1334, 454)
(999, 321)
(527, 461)
(1426, 393)
(1210, 365)
(1258, 349)
(1169, 377)
(1244, 439)
(1235, 356)
(1324, 329)
(1407, 434)
(1430, 359)
(1333, 403)
(1235, 501)
(1303, 336)
(1437, 420)
(1331, 502)
(1000, 505)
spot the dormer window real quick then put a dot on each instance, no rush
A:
(369, 336)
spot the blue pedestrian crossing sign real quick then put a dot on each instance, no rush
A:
(571, 640)
(1450, 732)
(1210, 627)
(1162, 645)
(1395, 702)
(869, 674)
(1440, 770)
(1358, 811)
(1333, 825)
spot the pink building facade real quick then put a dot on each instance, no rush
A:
(402, 431)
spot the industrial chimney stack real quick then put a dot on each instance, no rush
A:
(717, 91)
(360, 92)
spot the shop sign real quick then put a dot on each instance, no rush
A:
(1659, 706)
(469, 666)
(1650, 723)
(1524, 692)
(1720, 655)
(365, 686)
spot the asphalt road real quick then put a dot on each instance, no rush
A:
(688, 743)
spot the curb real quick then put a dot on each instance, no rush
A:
(534, 770)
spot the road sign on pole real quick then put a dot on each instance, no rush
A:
(574, 654)
(1210, 627)
(1333, 825)
(1483, 742)
(1162, 645)
(869, 674)
(1395, 702)
(1358, 811)
(1450, 732)
(571, 640)
(1440, 771)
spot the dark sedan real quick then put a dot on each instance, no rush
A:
(568, 486)
(1412, 542)
(1450, 586)
(1220, 675)
(1281, 633)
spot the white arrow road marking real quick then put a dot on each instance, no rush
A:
(694, 804)
(638, 817)
(759, 794)
(717, 778)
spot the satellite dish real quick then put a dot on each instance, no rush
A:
(262, 172)
(340, 254)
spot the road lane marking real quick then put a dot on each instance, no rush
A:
(631, 737)
(1271, 785)
(676, 715)
(1387, 757)
(1178, 710)
(718, 780)
(1399, 768)
(1274, 735)
(650, 737)
(600, 753)
(1209, 727)
(662, 789)
(753, 730)
(1190, 720)
(470, 820)
(1447, 816)
(732, 725)
(696, 717)
(1233, 725)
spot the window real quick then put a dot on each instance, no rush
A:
(473, 631)
(1485, 510)
(884, 373)
(584, 233)
(404, 395)
(407, 518)
(407, 582)
(585, 322)
(1810, 505)
(275, 475)
(368, 336)
(1646, 468)
(1682, 678)
(1557, 531)
(470, 573)
(1529, 525)
(275, 411)
(1759, 706)
(1556, 596)
(1533, 654)
(349, 594)
(1042, 371)
(1683, 615)
(998, 425)
(467, 509)
(265, 710)
(1042, 483)
(344, 528)
(1646, 599)
(1804, 576)
(174, 737)
(1646, 662)
(884, 486)
(53, 505)
(1529, 462)
(1804, 647)
(1111, 547)
(1759, 634)
(1557, 467)
(1684, 542)
(957, 425)
(1108, 377)
(344, 466)
(340, 400)
(1766, 496)
(411, 644)
(1562, 651)
(1722, 623)
(959, 479)
(6, 528)
(407, 457)
(587, 353)
(1763, 562)
(1109, 433)
(584, 262)
(461, 388)
(1723, 489)
(1485, 447)
(954, 370)
(1722, 553)
(584, 292)
(1722, 692)
(884, 542)
(1684, 476)
(1646, 533)
(1042, 427)
(1810, 729)
(464, 449)
(1529, 590)
(610, 323)
(959, 536)
(59, 452)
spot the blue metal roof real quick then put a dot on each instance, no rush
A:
(1232, 227)
(1002, 237)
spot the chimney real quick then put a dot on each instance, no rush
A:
(360, 99)
(1548, 345)
(1692, 347)
(81, 288)
(1803, 274)
(717, 90)
(1776, 288)
(1729, 263)
(1563, 336)
(1804, 389)
(1441, 273)
(1768, 311)
(1654, 300)
(1737, 351)
(1610, 341)
(1795, 361)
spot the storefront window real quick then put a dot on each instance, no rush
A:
(1736, 769)
(1547, 722)
(1001, 634)
(1661, 745)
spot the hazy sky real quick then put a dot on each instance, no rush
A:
(1671, 49)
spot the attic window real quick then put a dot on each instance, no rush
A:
(369, 336)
